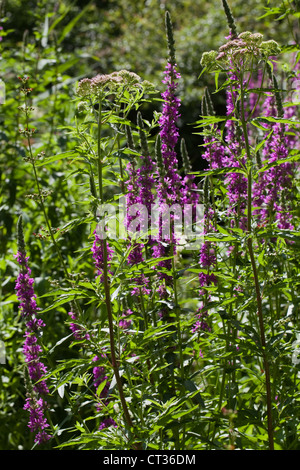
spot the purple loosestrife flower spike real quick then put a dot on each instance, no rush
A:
(169, 133)
(207, 258)
(236, 182)
(37, 421)
(139, 192)
(99, 377)
(158, 158)
(145, 182)
(169, 190)
(201, 323)
(135, 256)
(170, 183)
(36, 370)
(98, 254)
(272, 192)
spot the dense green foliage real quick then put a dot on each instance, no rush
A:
(204, 390)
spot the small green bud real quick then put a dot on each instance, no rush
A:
(204, 111)
(210, 106)
(269, 48)
(158, 157)
(206, 192)
(129, 137)
(277, 97)
(93, 187)
(258, 159)
(208, 59)
(84, 87)
(20, 235)
(170, 38)
(148, 87)
(185, 157)
(142, 134)
(245, 35)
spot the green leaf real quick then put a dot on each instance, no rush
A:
(291, 158)
(54, 158)
(267, 120)
(191, 387)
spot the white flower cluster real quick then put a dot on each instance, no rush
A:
(240, 51)
(94, 86)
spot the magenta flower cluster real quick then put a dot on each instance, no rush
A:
(169, 184)
(35, 401)
(99, 377)
(98, 254)
(169, 189)
(236, 182)
(24, 287)
(139, 187)
(77, 330)
(272, 191)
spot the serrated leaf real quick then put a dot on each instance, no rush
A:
(55, 158)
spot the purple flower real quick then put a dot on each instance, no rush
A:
(236, 182)
(77, 330)
(37, 421)
(272, 191)
(215, 152)
(123, 323)
(99, 377)
(98, 254)
(145, 184)
(201, 323)
(24, 287)
(31, 349)
(139, 192)
(36, 368)
(107, 423)
(169, 190)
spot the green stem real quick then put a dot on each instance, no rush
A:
(177, 317)
(255, 275)
(99, 153)
(108, 297)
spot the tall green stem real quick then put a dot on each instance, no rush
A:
(107, 292)
(177, 317)
(255, 274)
